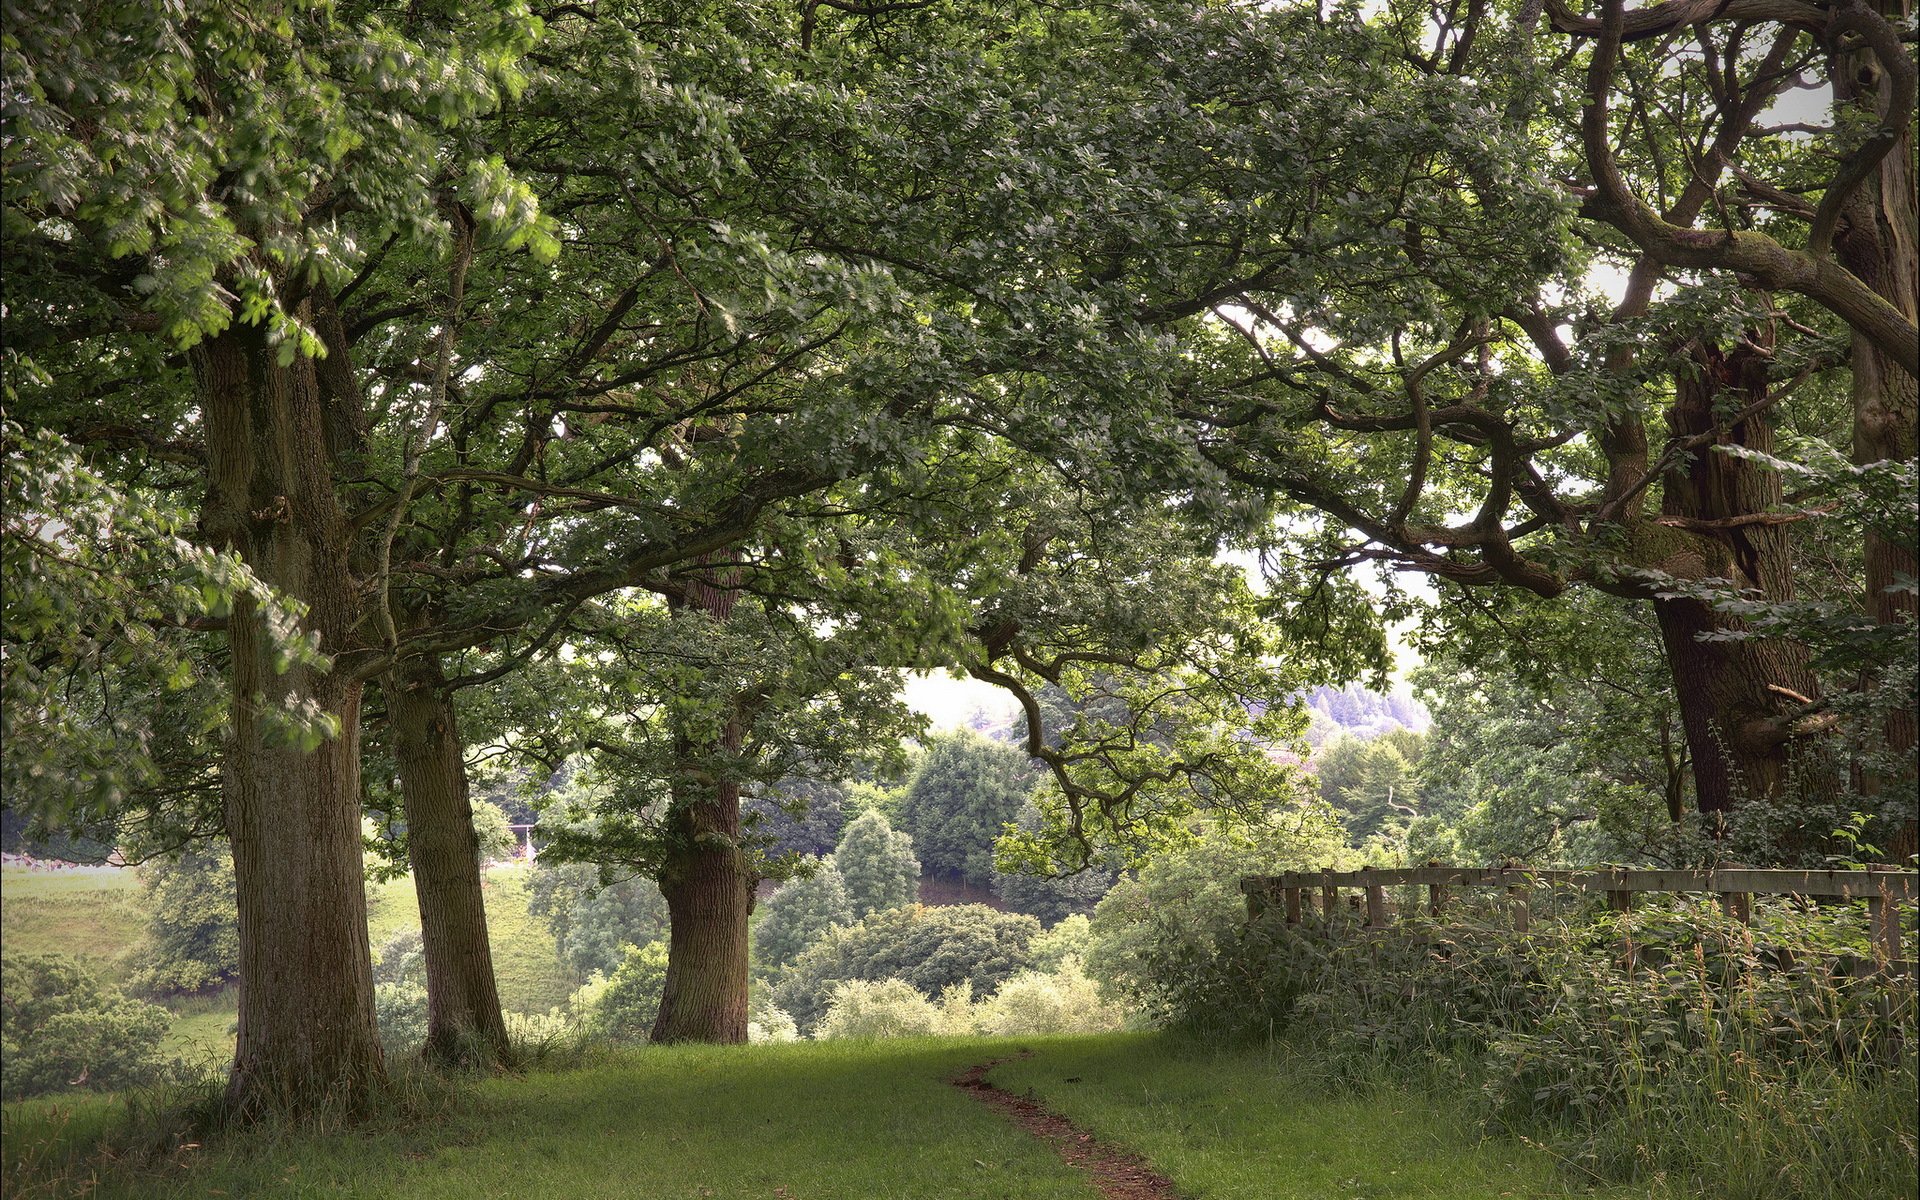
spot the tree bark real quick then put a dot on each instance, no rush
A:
(1736, 697)
(705, 876)
(1879, 241)
(464, 1023)
(307, 1041)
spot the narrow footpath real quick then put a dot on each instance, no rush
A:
(1120, 1174)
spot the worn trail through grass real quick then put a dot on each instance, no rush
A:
(836, 1121)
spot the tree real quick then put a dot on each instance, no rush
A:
(878, 866)
(155, 187)
(797, 915)
(193, 931)
(798, 817)
(931, 949)
(965, 792)
(594, 917)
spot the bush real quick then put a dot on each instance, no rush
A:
(1152, 932)
(595, 922)
(766, 1023)
(878, 865)
(931, 949)
(1709, 1065)
(62, 1029)
(879, 1008)
(1071, 936)
(1036, 1002)
(193, 930)
(624, 1007)
(401, 959)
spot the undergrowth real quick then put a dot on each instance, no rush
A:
(1729, 1061)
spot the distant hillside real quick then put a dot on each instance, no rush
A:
(1357, 712)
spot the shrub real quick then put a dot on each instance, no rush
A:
(624, 1008)
(1152, 932)
(878, 866)
(1071, 936)
(1709, 1064)
(798, 914)
(62, 1029)
(1036, 1002)
(766, 1023)
(401, 959)
(193, 930)
(594, 922)
(879, 1008)
(931, 949)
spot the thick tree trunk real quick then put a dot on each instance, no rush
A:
(705, 877)
(1735, 697)
(1880, 242)
(709, 895)
(307, 1040)
(464, 1024)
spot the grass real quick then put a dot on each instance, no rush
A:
(1244, 1124)
(827, 1120)
(92, 914)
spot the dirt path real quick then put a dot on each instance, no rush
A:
(1119, 1174)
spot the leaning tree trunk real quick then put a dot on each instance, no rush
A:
(464, 1023)
(706, 879)
(1737, 697)
(307, 1041)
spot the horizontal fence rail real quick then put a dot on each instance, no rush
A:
(1884, 889)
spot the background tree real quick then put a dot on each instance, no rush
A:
(961, 798)
(193, 934)
(878, 865)
(931, 949)
(593, 917)
(797, 915)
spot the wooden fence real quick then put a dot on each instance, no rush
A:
(1884, 889)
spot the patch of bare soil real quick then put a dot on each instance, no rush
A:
(1120, 1174)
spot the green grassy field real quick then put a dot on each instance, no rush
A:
(93, 915)
(859, 1121)
(96, 916)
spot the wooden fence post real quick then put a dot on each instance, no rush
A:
(1376, 906)
(1622, 902)
(1329, 895)
(1292, 895)
(1436, 899)
(1517, 899)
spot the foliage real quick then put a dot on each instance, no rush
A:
(798, 914)
(879, 1008)
(63, 1029)
(1711, 1053)
(1069, 937)
(624, 1009)
(965, 792)
(929, 948)
(797, 817)
(1062, 1000)
(1051, 897)
(491, 829)
(877, 864)
(593, 918)
(400, 1010)
(1183, 904)
(1369, 783)
(401, 959)
(193, 937)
